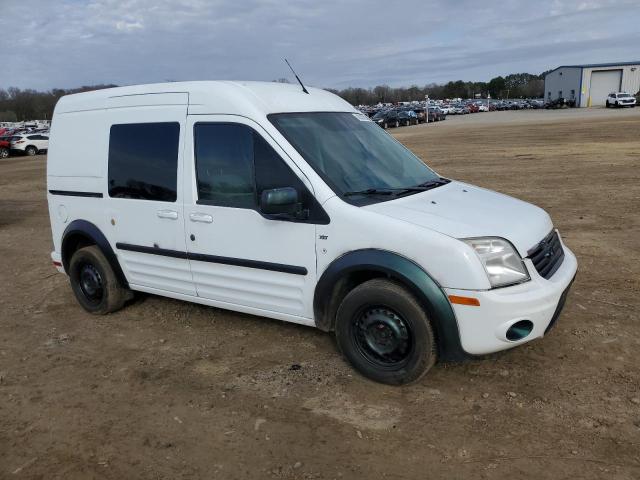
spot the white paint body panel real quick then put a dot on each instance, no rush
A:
(423, 227)
(464, 211)
(245, 234)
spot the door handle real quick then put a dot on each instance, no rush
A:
(170, 214)
(201, 217)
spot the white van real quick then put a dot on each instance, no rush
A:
(264, 199)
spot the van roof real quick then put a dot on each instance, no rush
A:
(211, 97)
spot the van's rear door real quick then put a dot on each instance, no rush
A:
(145, 200)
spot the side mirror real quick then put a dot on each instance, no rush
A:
(281, 203)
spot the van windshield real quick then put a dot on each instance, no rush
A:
(352, 153)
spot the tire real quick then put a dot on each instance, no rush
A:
(397, 123)
(31, 150)
(94, 283)
(385, 125)
(607, 104)
(4, 152)
(383, 331)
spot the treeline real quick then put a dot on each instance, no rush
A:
(516, 85)
(17, 105)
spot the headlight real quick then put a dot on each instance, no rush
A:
(501, 262)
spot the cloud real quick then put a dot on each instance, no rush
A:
(332, 43)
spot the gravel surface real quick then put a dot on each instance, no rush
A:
(166, 389)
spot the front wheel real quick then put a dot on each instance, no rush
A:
(4, 152)
(94, 282)
(385, 334)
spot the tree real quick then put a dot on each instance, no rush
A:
(8, 116)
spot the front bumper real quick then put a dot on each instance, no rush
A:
(483, 329)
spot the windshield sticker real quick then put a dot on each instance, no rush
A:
(362, 117)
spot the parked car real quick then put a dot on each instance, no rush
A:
(436, 115)
(556, 104)
(30, 144)
(419, 111)
(482, 107)
(387, 119)
(5, 147)
(407, 117)
(620, 99)
(259, 199)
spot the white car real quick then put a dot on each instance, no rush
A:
(264, 199)
(621, 99)
(30, 143)
(482, 107)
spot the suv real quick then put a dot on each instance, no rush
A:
(264, 199)
(620, 99)
(5, 147)
(31, 144)
(407, 117)
(387, 118)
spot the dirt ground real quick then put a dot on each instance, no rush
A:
(168, 390)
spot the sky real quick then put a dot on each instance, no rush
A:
(331, 43)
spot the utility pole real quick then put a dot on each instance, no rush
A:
(426, 109)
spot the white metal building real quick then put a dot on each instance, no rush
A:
(590, 84)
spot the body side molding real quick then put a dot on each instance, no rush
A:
(70, 193)
(402, 270)
(201, 257)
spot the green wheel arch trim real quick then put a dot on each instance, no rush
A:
(383, 263)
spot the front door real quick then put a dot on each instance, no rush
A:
(144, 213)
(240, 258)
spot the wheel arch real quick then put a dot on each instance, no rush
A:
(354, 268)
(82, 233)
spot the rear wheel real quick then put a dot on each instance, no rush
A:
(31, 150)
(397, 123)
(94, 283)
(385, 125)
(384, 333)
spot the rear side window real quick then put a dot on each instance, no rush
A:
(143, 161)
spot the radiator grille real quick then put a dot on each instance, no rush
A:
(548, 255)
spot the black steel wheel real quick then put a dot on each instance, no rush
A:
(381, 336)
(91, 283)
(384, 332)
(94, 283)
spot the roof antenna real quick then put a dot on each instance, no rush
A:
(297, 78)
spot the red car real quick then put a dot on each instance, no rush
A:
(4, 147)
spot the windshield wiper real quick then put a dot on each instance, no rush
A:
(401, 190)
(433, 183)
(373, 191)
